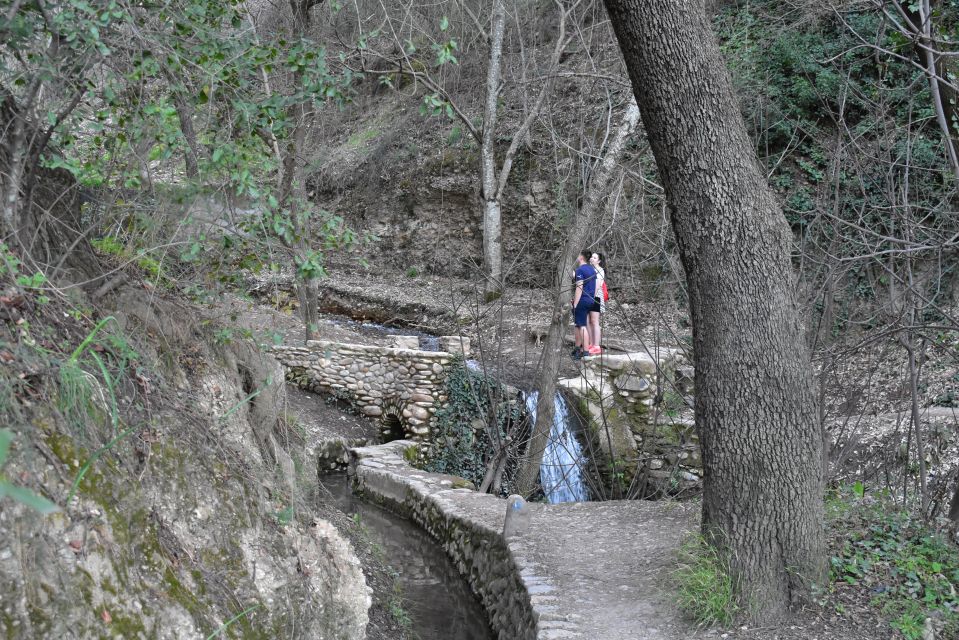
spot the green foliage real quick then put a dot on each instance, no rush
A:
(83, 397)
(311, 267)
(133, 252)
(20, 494)
(76, 394)
(284, 516)
(476, 411)
(360, 137)
(795, 79)
(859, 489)
(846, 131)
(435, 105)
(703, 584)
(124, 77)
(397, 609)
(11, 264)
(912, 571)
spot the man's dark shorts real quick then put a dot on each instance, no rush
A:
(581, 313)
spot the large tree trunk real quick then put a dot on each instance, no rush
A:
(755, 401)
(492, 235)
(554, 349)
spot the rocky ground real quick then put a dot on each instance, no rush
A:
(181, 490)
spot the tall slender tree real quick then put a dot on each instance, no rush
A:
(495, 168)
(593, 198)
(755, 399)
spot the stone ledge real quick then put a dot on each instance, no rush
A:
(315, 345)
(503, 573)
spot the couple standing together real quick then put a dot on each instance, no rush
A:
(589, 301)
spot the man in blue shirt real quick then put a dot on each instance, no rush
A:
(584, 296)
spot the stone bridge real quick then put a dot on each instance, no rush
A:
(635, 408)
(400, 384)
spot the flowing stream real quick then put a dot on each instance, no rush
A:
(439, 602)
(561, 472)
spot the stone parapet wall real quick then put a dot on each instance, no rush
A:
(637, 421)
(403, 387)
(468, 525)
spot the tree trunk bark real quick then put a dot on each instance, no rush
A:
(493, 247)
(492, 232)
(184, 111)
(16, 153)
(292, 185)
(756, 409)
(939, 102)
(553, 349)
(954, 503)
(294, 199)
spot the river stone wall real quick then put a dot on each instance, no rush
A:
(469, 527)
(401, 386)
(635, 407)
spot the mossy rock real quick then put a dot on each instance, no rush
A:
(463, 483)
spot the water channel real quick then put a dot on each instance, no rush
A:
(428, 342)
(437, 599)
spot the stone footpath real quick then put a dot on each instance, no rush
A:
(596, 571)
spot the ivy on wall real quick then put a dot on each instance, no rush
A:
(469, 430)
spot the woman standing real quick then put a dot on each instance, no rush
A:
(599, 306)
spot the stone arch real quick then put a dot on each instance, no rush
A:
(392, 428)
(392, 424)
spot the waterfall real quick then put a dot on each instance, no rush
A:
(561, 471)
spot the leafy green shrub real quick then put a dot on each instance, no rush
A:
(703, 584)
(912, 572)
(459, 447)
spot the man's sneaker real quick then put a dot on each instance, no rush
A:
(595, 350)
(577, 353)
